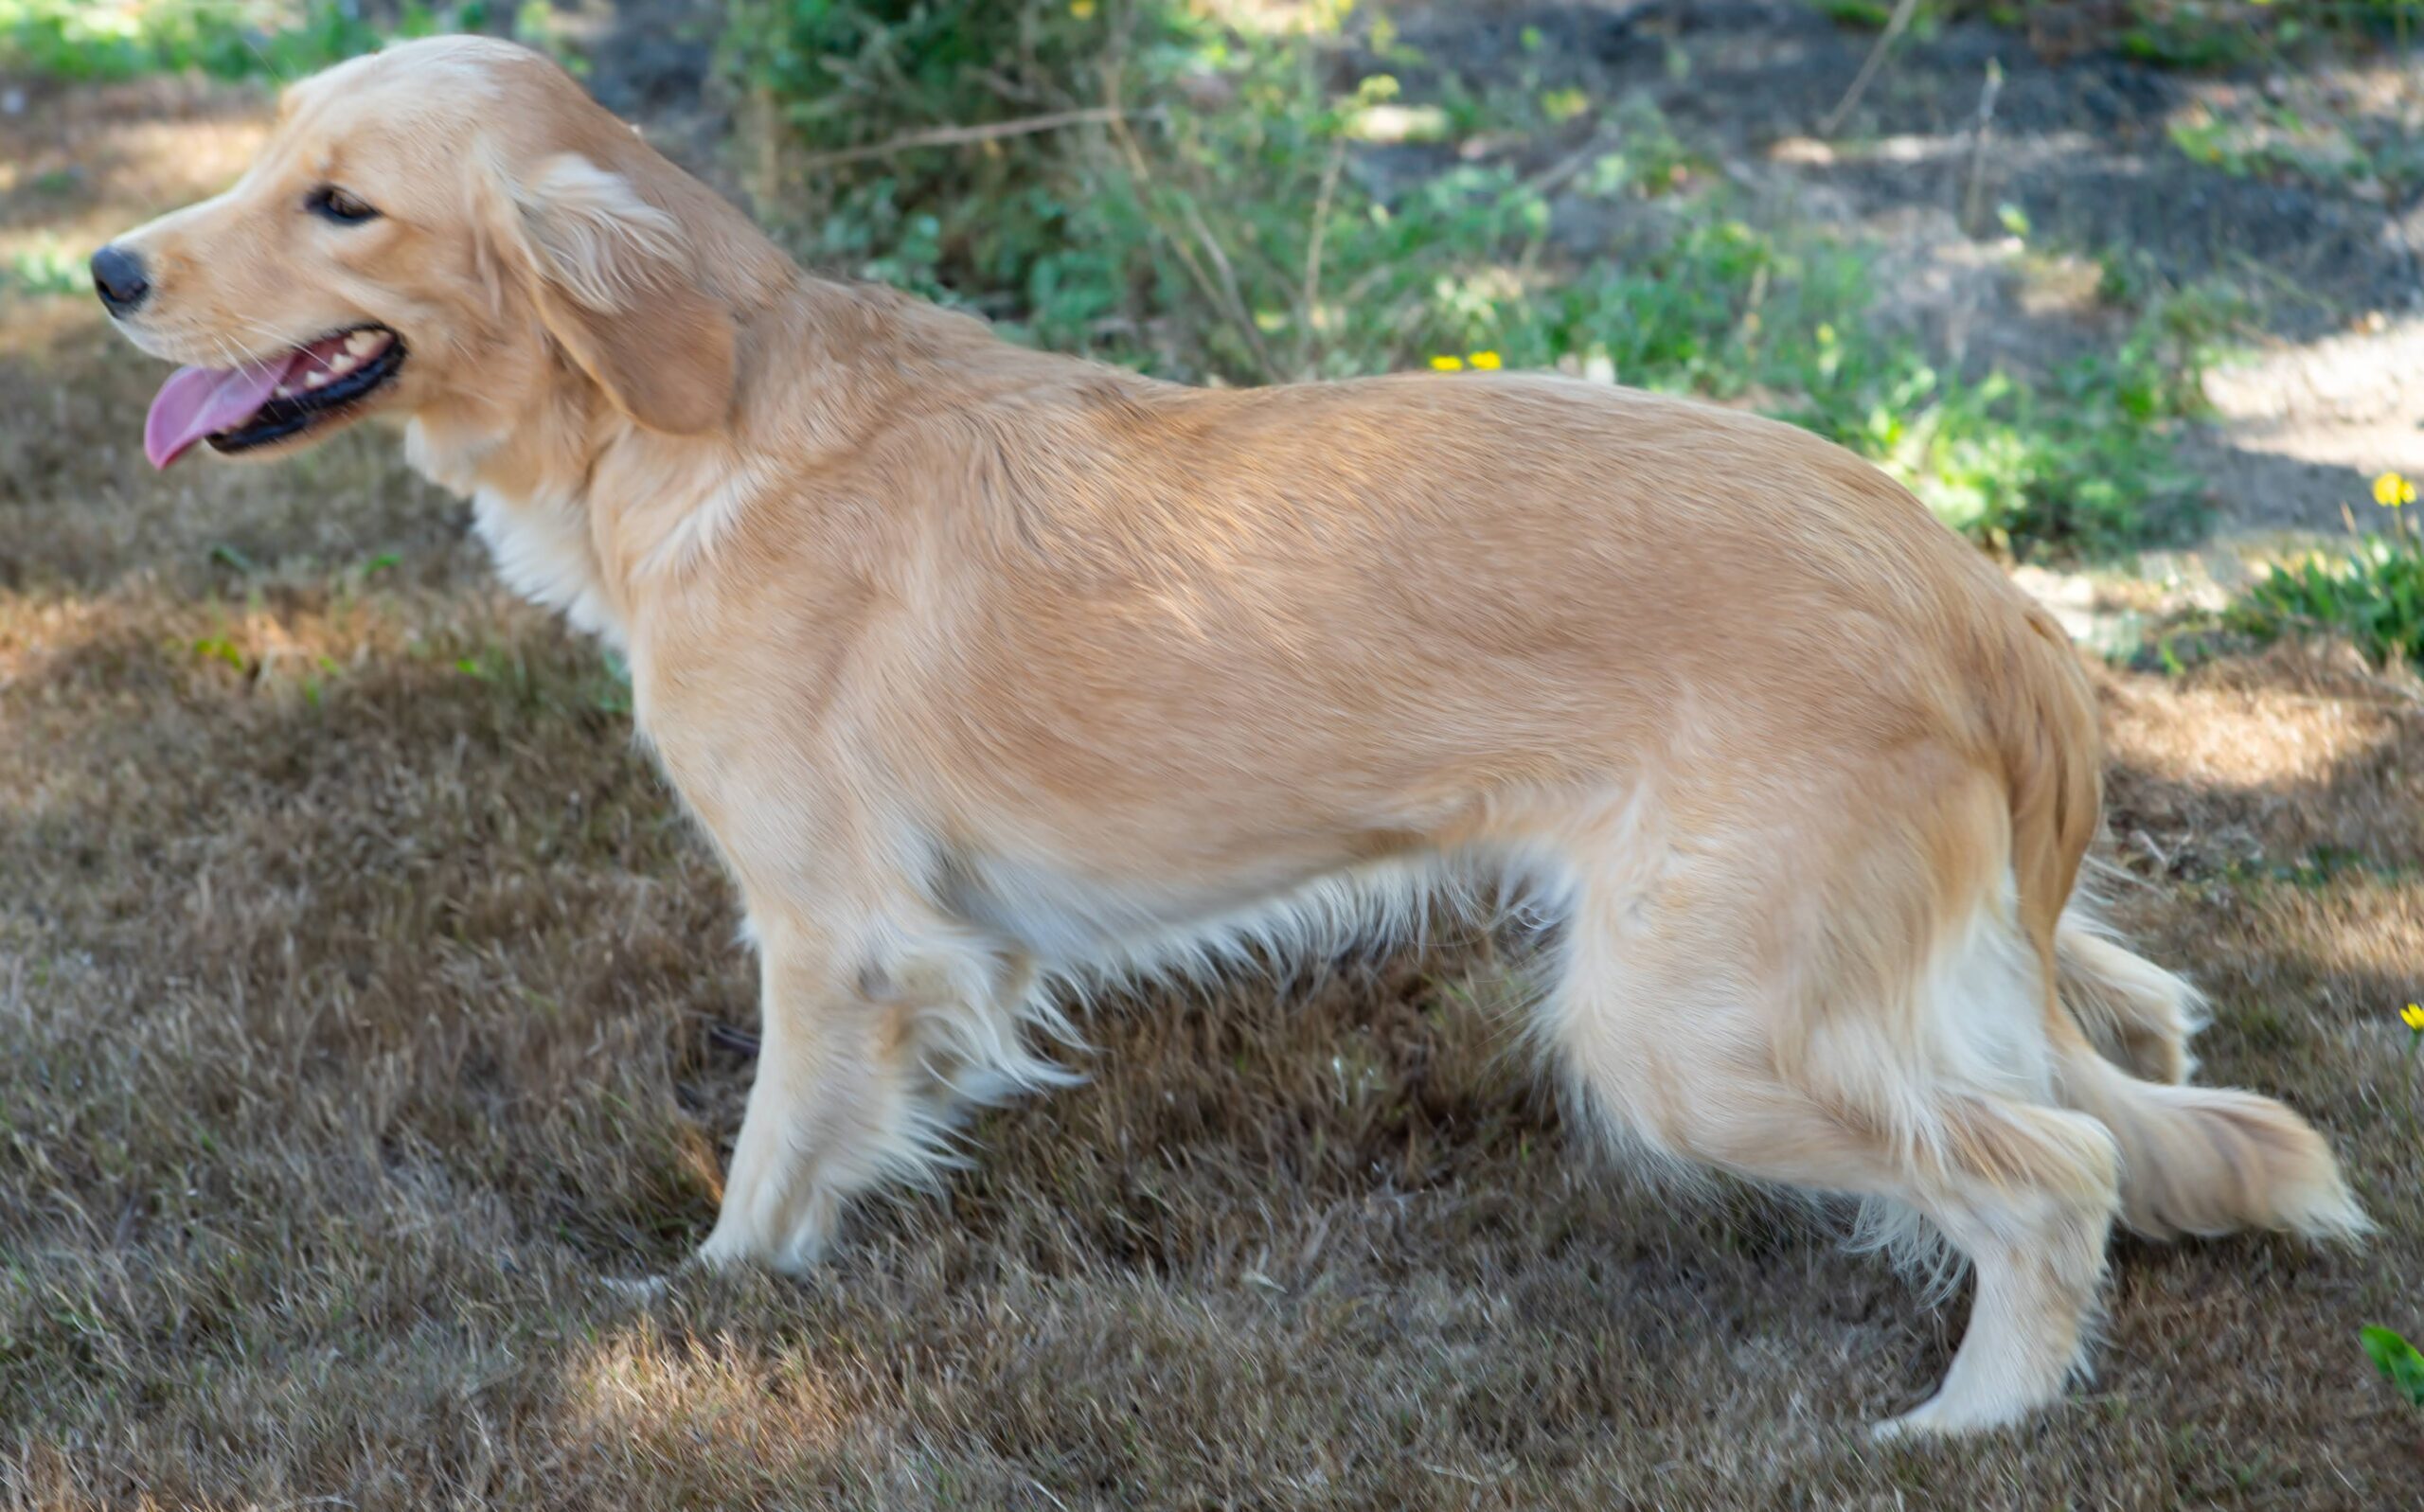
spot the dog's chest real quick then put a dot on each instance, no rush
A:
(543, 551)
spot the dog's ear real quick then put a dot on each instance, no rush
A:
(615, 284)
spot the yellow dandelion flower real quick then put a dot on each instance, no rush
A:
(2413, 1016)
(1082, 10)
(2391, 490)
(1487, 362)
(1447, 362)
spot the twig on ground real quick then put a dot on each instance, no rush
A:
(1221, 289)
(1229, 289)
(1833, 120)
(967, 135)
(767, 141)
(1980, 136)
(1555, 175)
(1313, 239)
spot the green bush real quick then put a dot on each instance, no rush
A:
(228, 39)
(1135, 182)
(829, 83)
(1142, 185)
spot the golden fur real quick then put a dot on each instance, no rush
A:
(990, 670)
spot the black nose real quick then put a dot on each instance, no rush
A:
(117, 278)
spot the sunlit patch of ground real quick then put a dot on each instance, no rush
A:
(77, 166)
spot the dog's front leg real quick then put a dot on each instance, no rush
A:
(834, 1106)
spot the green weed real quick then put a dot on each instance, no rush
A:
(2373, 594)
(2399, 1361)
(42, 269)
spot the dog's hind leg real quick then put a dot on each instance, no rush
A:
(1714, 1020)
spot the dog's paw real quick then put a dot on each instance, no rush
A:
(779, 1225)
(724, 1250)
(1938, 1418)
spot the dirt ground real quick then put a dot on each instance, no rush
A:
(367, 1011)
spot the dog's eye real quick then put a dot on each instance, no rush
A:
(332, 203)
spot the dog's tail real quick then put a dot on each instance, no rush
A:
(2196, 1160)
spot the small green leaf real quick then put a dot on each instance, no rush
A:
(220, 649)
(2398, 1362)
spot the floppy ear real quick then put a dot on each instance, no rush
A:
(616, 285)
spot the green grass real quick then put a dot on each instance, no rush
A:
(1230, 226)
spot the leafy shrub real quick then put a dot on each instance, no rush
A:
(227, 39)
(1182, 200)
(1139, 182)
(830, 82)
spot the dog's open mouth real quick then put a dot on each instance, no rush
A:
(238, 408)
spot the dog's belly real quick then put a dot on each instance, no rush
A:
(1074, 924)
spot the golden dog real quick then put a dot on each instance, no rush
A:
(990, 670)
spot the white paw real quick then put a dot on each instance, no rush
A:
(1937, 1418)
(1899, 1430)
(792, 1248)
(724, 1250)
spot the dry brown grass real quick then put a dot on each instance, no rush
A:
(359, 989)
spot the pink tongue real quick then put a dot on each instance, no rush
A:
(198, 401)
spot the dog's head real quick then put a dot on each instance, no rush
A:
(450, 231)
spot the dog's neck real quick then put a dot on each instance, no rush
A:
(585, 510)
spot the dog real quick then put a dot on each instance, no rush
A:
(989, 671)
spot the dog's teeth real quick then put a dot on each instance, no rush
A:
(315, 380)
(286, 391)
(343, 362)
(361, 343)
